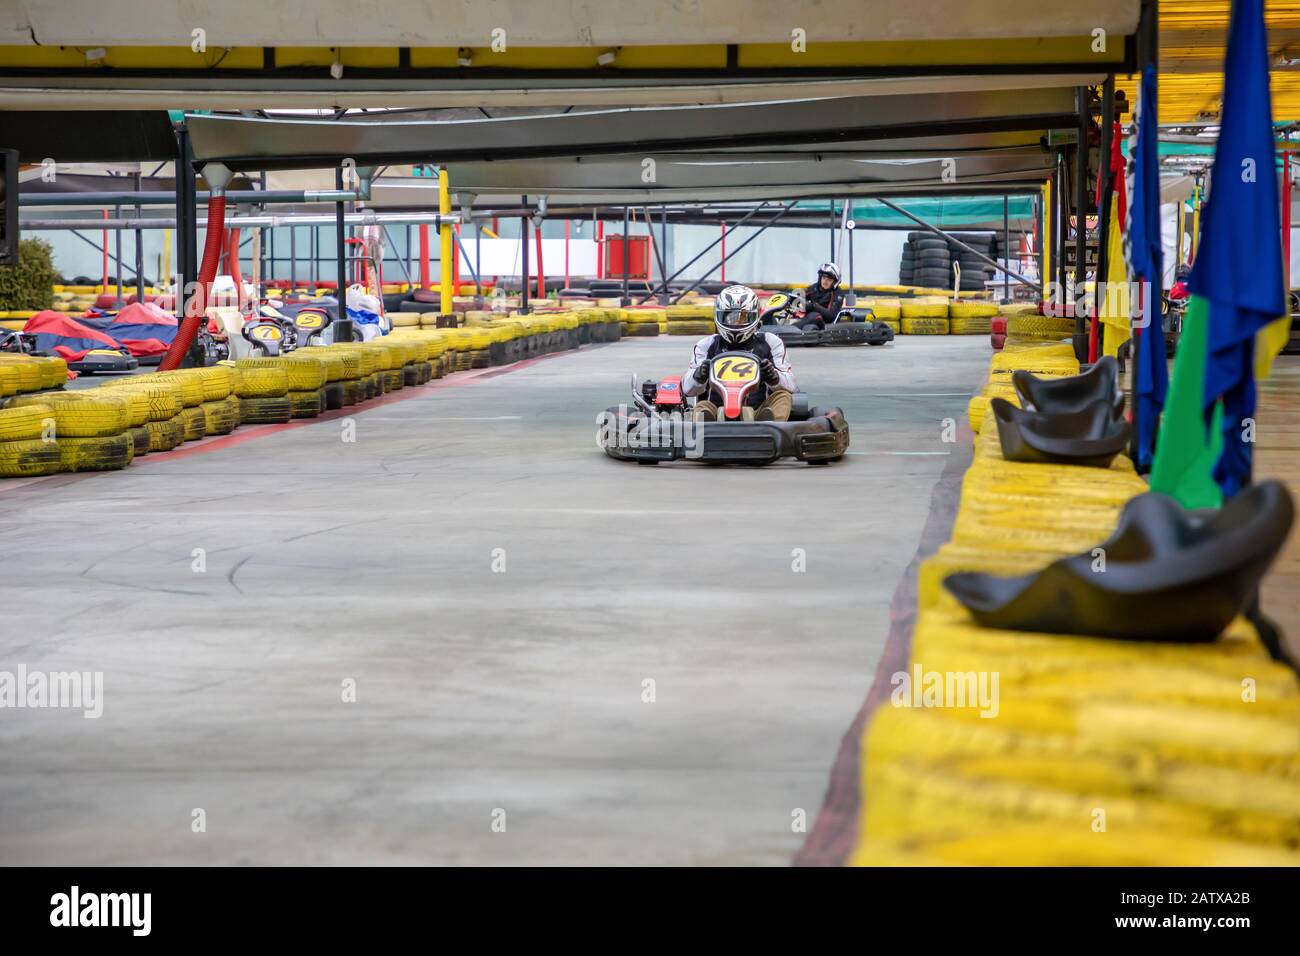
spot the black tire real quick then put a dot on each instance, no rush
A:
(931, 243)
(265, 411)
(334, 395)
(933, 259)
(933, 278)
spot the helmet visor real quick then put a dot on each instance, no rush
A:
(734, 318)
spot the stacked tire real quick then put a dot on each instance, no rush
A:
(926, 262)
(974, 270)
(928, 259)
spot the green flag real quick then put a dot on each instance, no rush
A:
(1185, 451)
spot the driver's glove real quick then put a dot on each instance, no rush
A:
(771, 376)
(702, 372)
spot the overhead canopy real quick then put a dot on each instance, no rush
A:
(250, 143)
(441, 23)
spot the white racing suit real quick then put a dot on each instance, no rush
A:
(763, 345)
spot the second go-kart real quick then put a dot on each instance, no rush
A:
(660, 427)
(786, 316)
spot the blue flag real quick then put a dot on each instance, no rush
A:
(1238, 267)
(1146, 265)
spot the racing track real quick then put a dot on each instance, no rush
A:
(476, 690)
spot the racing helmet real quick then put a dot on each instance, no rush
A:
(831, 270)
(735, 313)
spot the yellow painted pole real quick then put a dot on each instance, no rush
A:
(1182, 232)
(165, 273)
(1196, 219)
(448, 282)
(1047, 235)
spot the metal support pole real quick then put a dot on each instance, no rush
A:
(293, 258)
(626, 300)
(851, 232)
(1062, 222)
(1081, 225)
(186, 222)
(447, 277)
(315, 257)
(117, 246)
(139, 248)
(473, 267)
(703, 252)
(663, 219)
(832, 256)
(1101, 293)
(478, 260)
(659, 256)
(400, 260)
(958, 243)
(761, 229)
(1006, 247)
(342, 324)
(524, 274)
(1148, 52)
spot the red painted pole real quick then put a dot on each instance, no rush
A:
(455, 263)
(724, 253)
(1286, 218)
(566, 253)
(424, 257)
(541, 272)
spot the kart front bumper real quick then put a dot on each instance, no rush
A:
(818, 439)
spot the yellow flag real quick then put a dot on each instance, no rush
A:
(1113, 309)
(1269, 343)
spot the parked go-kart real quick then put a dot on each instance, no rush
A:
(271, 333)
(94, 360)
(660, 427)
(786, 316)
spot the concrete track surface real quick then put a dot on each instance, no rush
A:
(500, 593)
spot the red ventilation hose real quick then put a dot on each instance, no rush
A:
(232, 262)
(196, 312)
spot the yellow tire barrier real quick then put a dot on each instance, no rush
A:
(104, 453)
(25, 373)
(968, 310)
(306, 404)
(29, 458)
(265, 410)
(924, 325)
(193, 422)
(261, 382)
(25, 422)
(684, 327)
(884, 309)
(970, 325)
(79, 416)
(924, 307)
(304, 373)
(1039, 325)
(140, 440)
(220, 417)
(165, 435)
(190, 386)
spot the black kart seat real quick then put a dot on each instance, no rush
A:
(1070, 393)
(1091, 436)
(1169, 575)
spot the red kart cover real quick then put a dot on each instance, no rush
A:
(67, 338)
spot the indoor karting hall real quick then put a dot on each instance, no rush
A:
(391, 601)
